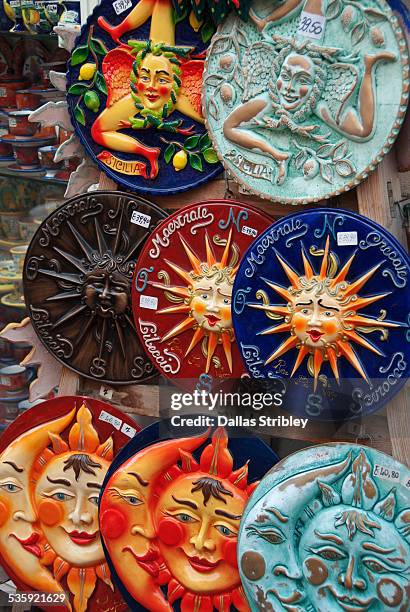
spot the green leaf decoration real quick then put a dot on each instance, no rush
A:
(169, 152)
(98, 46)
(210, 156)
(195, 161)
(100, 83)
(191, 143)
(79, 115)
(204, 142)
(79, 55)
(207, 31)
(77, 89)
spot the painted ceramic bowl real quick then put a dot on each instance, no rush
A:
(184, 496)
(13, 378)
(71, 440)
(26, 155)
(19, 125)
(8, 91)
(6, 150)
(18, 254)
(46, 157)
(327, 529)
(9, 225)
(27, 99)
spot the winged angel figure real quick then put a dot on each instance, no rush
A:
(304, 81)
(147, 81)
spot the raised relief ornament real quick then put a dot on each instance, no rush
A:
(296, 99)
(169, 518)
(77, 283)
(134, 93)
(321, 300)
(328, 529)
(182, 290)
(53, 460)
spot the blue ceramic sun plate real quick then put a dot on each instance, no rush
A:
(134, 94)
(321, 301)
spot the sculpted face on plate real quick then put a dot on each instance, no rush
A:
(345, 543)
(177, 522)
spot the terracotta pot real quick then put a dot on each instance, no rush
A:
(26, 156)
(46, 157)
(27, 99)
(8, 91)
(19, 125)
(13, 378)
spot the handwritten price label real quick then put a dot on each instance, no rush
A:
(106, 392)
(386, 473)
(140, 219)
(121, 5)
(148, 301)
(128, 430)
(111, 419)
(346, 238)
(311, 25)
(249, 231)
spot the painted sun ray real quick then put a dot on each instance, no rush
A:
(63, 296)
(290, 273)
(82, 243)
(67, 316)
(72, 259)
(212, 344)
(174, 309)
(309, 272)
(120, 335)
(352, 358)
(193, 259)
(282, 291)
(181, 273)
(363, 342)
(332, 357)
(303, 351)
(363, 302)
(102, 244)
(323, 267)
(197, 337)
(182, 291)
(360, 282)
(187, 323)
(225, 256)
(227, 346)
(210, 256)
(341, 275)
(317, 364)
(276, 309)
(283, 348)
(283, 327)
(83, 331)
(71, 278)
(368, 321)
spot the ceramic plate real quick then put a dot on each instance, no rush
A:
(182, 290)
(321, 301)
(184, 497)
(134, 93)
(53, 459)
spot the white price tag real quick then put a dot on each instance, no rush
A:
(311, 25)
(121, 5)
(128, 430)
(106, 392)
(386, 473)
(140, 219)
(148, 301)
(12, 122)
(346, 238)
(6, 381)
(249, 231)
(406, 483)
(3, 92)
(110, 418)
(15, 3)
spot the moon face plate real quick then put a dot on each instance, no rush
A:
(168, 507)
(182, 290)
(54, 458)
(77, 281)
(321, 301)
(318, 512)
(282, 92)
(134, 95)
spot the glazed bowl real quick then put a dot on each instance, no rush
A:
(27, 99)
(19, 125)
(26, 156)
(13, 378)
(46, 157)
(8, 89)
(9, 225)
(18, 254)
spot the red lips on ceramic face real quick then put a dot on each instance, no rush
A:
(315, 335)
(82, 538)
(212, 320)
(152, 97)
(149, 561)
(30, 544)
(202, 565)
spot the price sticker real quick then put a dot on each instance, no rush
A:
(12, 122)
(15, 3)
(140, 219)
(148, 301)
(3, 92)
(386, 473)
(346, 238)
(249, 231)
(111, 419)
(128, 430)
(311, 25)
(121, 5)
(406, 483)
(6, 381)
(106, 392)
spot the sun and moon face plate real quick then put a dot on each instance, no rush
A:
(170, 511)
(294, 98)
(182, 288)
(53, 460)
(134, 94)
(321, 301)
(328, 529)
(77, 283)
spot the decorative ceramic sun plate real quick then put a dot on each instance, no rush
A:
(321, 300)
(134, 93)
(170, 513)
(182, 288)
(53, 460)
(296, 101)
(77, 283)
(328, 529)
